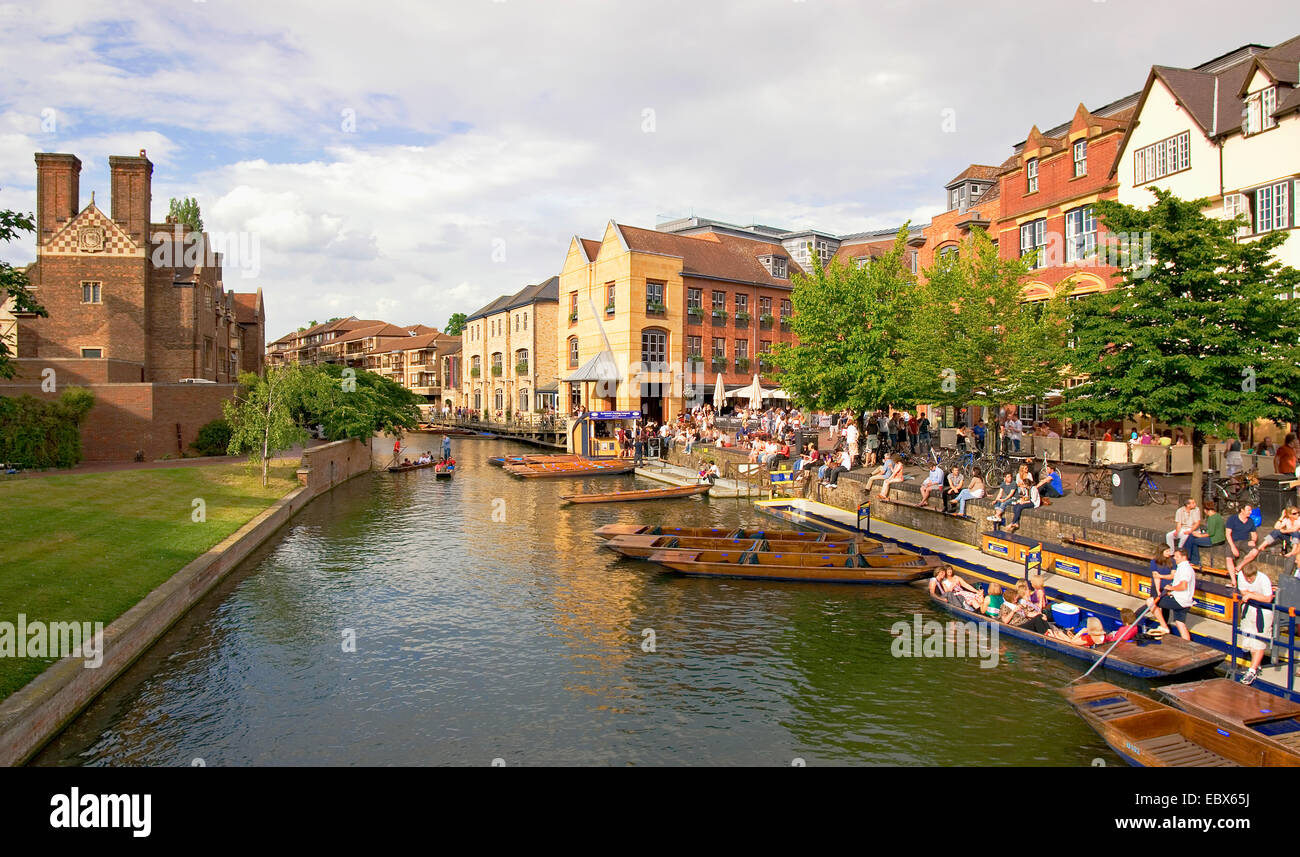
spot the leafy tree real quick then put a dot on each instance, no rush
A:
(455, 324)
(261, 415)
(213, 438)
(15, 294)
(41, 433)
(186, 211)
(357, 404)
(1195, 334)
(974, 339)
(849, 321)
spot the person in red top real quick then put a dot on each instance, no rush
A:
(1285, 460)
(1130, 629)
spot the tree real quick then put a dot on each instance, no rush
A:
(848, 320)
(973, 337)
(15, 294)
(455, 324)
(261, 415)
(186, 211)
(356, 403)
(1195, 333)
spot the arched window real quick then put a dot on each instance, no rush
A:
(478, 400)
(654, 349)
(475, 366)
(499, 398)
(521, 361)
(497, 363)
(573, 352)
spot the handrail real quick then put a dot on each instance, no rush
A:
(1290, 644)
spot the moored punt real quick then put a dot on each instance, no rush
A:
(538, 470)
(633, 496)
(641, 546)
(794, 567)
(1171, 655)
(533, 459)
(1271, 719)
(1151, 734)
(611, 530)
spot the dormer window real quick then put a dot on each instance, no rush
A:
(1031, 176)
(1259, 111)
(1080, 150)
(975, 190)
(775, 265)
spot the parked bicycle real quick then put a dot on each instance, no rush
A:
(1233, 492)
(1095, 481)
(1149, 491)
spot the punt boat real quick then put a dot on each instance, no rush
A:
(610, 530)
(502, 460)
(1150, 734)
(633, 496)
(1171, 655)
(801, 566)
(1231, 704)
(642, 546)
(402, 468)
(542, 470)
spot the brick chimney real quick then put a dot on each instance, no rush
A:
(132, 195)
(57, 192)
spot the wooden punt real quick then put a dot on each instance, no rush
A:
(533, 459)
(1151, 734)
(611, 530)
(1171, 655)
(1268, 718)
(795, 567)
(633, 496)
(540, 470)
(641, 546)
(402, 468)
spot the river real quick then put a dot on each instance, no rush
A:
(489, 624)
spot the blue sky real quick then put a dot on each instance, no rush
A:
(379, 156)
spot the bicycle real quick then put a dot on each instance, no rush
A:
(1148, 490)
(1095, 481)
(1235, 491)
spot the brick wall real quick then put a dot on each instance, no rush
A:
(327, 465)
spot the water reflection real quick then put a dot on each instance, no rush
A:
(521, 638)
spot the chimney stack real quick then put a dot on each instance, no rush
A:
(58, 178)
(131, 188)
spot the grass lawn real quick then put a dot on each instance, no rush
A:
(87, 547)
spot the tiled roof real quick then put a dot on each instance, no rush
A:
(245, 304)
(592, 247)
(547, 290)
(713, 255)
(977, 172)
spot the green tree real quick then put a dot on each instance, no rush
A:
(973, 339)
(15, 294)
(356, 403)
(455, 324)
(261, 415)
(1195, 334)
(186, 211)
(848, 320)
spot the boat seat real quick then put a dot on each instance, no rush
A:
(1112, 707)
(1177, 752)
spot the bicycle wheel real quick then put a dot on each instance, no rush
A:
(993, 475)
(1083, 484)
(1156, 493)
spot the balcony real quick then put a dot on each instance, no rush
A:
(766, 320)
(496, 371)
(742, 364)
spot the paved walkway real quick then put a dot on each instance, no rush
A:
(675, 475)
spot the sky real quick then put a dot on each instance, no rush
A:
(407, 161)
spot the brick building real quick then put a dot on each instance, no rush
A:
(135, 308)
(508, 352)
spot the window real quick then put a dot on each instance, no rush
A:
(1259, 111)
(719, 348)
(497, 398)
(573, 352)
(1234, 205)
(92, 353)
(478, 400)
(954, 198)
(786, 309)
(207, 297)
(1031, 175)
(765, 346)
(764, 306)
(654, 296)
(90, 293)
(521, 361)
(1080, 234)
(525, 321)
(742, 349)
(694, 346)
(976, 190)
(912, 258)
(949, 253)
(654, 349)
(694, 299)
(1033, 235)
(475, 366)
(609, 297)
(1160, 159)
(1080, 158)
(573, 306)
(742, 303)
(1272, 207)
(523, 400)
(779, 267)
(719, 301)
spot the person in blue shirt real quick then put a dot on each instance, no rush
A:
(979, 434)
(446, 447)
(1049, 482)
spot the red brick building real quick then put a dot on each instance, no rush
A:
(135, 308)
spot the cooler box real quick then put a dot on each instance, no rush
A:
(1066, 615)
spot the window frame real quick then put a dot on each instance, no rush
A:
(1079, 153)
(96, 288)
(1031, 176)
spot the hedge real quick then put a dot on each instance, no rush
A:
(37, 433)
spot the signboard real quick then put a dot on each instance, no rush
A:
(615, 415)
(824, 421)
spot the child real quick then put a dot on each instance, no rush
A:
(993, 601)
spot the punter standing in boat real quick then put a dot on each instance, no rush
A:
(446, 447)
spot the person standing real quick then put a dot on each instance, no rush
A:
(1284, 462)
(446, 447)
(923, 433)
(638, 446)
(1015, 431)
(1256, 626)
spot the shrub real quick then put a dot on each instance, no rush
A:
(213, 439)
(39, 433)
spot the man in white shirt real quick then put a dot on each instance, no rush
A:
(1176, 598)
(932, 483)
(1015, 430)
(1186, 521)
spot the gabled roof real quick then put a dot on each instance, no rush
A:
(248, 306)
(547, 290)
(602, 367)
(592, 248)
(381, 329)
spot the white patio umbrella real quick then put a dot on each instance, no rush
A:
(754, 392)
(719, 393)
